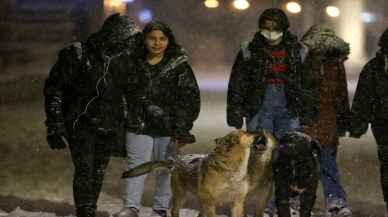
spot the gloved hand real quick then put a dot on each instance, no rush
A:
(183, 137)
(57, 137)
(155, 111)
(356, 130)
(341, 132)
(235, 119)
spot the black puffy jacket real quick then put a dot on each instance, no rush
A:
(247, 81)
(82, 91)
(370, 102)
(172, 86)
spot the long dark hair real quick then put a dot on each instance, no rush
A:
(173, 49)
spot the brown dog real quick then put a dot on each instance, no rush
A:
(260, 171)
(222, 176)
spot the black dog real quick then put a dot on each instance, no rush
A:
(296, 172)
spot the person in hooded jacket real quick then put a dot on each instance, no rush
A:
(268, 86)
(80, 92)
(370, 106)
(165, 101)
(326, 54)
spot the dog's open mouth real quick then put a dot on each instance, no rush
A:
(260, 147)
(259, 144)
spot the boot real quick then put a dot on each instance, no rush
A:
(86, 211)
(127, 212)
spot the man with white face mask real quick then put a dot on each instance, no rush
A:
(267, 84)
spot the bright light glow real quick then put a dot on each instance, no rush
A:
(368, 17)
(128, 1)
(212, 3)
(145, 16)
(294, 7)
(115, 3)
(333, 11)
(241, 4)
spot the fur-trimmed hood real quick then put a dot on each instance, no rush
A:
(323, 41)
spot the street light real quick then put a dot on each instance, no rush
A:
(145, 16)
(241, 4)
(368, 17)
(211, 3)
(333, 11)
(115, 3)
(114, 6)
(294, 7)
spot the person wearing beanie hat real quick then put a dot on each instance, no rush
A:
(370, 106)
(268, 87)
(82, 88)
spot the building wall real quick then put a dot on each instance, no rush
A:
(32, 31)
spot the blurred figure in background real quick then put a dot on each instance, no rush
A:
(84, 105)
(267, 84)
(326, 54)
(370, 105)
(164, 103)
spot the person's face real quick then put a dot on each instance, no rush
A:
(272, 32)
(156, 42)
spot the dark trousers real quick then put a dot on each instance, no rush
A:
(381, 135)
(90, 153)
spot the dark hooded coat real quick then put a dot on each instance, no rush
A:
(82, 92)
(370, 103)
(325, 61)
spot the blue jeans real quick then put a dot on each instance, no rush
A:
(274, 117)
(330, 178)
(141, 149)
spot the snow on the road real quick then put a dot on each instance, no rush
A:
(22, 213)
(3, 213)
(144, 212)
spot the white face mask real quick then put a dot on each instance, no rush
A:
(271, 35)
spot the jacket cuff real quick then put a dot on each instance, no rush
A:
(184, 136)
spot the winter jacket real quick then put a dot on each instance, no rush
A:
(370, 103)
(325, 61)
(247, 81)
(170, 85)
(82, 91)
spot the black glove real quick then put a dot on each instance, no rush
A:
(155, 111)
(184, 137)
(160, 116)
(57, 137)
(356, 130)
(235, 119)
(341, 132)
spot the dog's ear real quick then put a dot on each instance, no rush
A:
(220, 141)
(221, 145)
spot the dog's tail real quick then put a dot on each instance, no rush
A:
(147, 167)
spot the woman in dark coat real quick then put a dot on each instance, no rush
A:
(163, 102)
